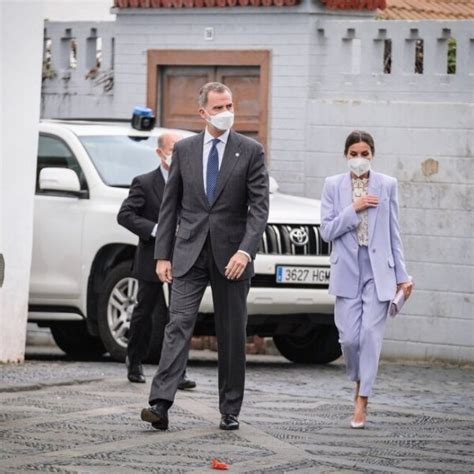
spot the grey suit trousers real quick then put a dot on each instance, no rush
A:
(230, 312)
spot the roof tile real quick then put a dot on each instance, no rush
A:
(387, 9)
(202, 3)
(428, 10)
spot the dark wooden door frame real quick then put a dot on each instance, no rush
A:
(157, 58)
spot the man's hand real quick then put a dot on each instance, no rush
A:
(365, 202)
(407, 288)
(236, 266)
(163, 270)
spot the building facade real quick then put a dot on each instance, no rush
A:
(304, 76)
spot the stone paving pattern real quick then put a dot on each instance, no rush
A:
(73, 417)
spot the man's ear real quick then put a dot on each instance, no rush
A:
(202, 113)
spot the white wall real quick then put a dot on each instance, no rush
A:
(69, 94)
(423, 125)
(20, 63)
(323, 85)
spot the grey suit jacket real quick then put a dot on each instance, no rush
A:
(236, 218)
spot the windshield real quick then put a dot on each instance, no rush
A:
(119, 158)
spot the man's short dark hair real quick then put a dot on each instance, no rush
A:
(211, 87)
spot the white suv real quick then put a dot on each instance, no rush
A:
(80, 277)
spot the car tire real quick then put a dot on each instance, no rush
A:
(114, 310)
(320, 346)
(74, 339)
(114, 318)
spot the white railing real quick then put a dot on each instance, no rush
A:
(365, 57)
(78, 58)
(429, 60)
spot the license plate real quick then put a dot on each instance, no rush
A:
(302, 275)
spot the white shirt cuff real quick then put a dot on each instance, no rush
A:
(246, 254)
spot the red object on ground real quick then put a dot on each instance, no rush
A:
(221, 466)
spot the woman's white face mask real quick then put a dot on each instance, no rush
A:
(359, 165)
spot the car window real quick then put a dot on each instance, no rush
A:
(54, 153)
(119, 158)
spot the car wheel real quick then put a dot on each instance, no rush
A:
(115, 308)
(320, 346)
(74, 339)
(116, 304)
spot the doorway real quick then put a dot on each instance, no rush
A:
(175, 77)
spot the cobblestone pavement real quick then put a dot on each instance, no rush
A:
(69, 416)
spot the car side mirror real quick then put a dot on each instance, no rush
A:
(273, 185)
(59, 179)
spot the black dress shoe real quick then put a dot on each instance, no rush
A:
(229, 422)
(186, 384)
(136, 378)
(157, 415)
(134, 372)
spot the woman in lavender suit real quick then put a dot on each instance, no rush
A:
(359, 215)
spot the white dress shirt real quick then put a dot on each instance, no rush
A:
(165, 173)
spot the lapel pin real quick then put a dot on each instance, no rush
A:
(237, 154)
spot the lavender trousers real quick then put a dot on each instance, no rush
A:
(361, 322)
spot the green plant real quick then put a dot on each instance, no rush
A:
(451, 56)
(48, 72)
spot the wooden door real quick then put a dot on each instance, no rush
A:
(175, 77)
(178, 89)
(244, 82)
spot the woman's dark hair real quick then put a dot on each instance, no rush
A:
(358, 136)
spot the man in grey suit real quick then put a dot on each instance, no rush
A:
(218, 186)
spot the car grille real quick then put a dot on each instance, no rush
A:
(282, 239)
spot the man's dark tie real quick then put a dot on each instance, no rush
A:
(212, 170)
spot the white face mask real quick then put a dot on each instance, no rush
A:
(222, 121)
(359, 166)
(167, 159)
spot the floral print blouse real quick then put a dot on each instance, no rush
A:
(360, 188)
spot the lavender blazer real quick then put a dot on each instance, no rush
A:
(338, 225)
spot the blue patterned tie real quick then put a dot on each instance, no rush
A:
(212, 170)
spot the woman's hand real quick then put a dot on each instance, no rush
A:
(365, 202)
(407, 288)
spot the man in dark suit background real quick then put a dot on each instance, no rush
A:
(218, 185)
(139, 214)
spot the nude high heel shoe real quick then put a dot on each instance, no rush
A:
(358, 425)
